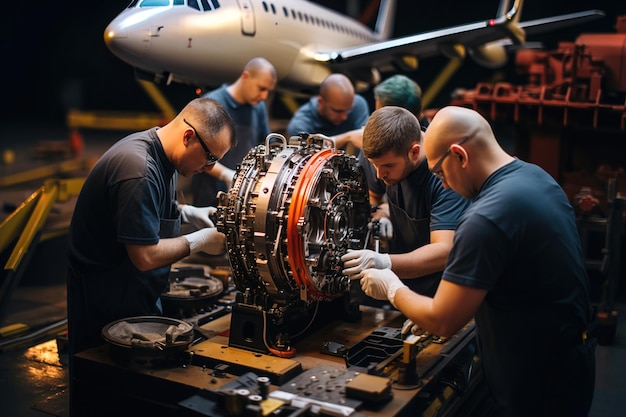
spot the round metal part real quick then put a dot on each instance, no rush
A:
(190, 296)
(194, 287)
(148, 340)
(292, 212)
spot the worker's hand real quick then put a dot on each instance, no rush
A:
(227, 175)
(207, 240)
(385, 228)
(410, 327)
(356, 261)
(379, 211)
(381, 284)
(198, 217)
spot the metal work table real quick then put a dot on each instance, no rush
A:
(447, 375)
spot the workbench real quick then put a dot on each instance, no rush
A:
(449, 381)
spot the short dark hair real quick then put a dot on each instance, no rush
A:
(390, 128)
(212, 117)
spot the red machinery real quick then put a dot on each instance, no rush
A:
(570, 119)
(583, 82)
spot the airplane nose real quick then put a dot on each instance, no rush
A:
(114, 32)
(113, 35)
(127, 39)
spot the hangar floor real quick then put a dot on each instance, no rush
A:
(33, 371)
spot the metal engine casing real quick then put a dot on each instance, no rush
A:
(293, 210)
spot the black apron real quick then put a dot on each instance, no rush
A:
(415, 234)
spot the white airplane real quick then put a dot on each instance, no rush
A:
(205, 43)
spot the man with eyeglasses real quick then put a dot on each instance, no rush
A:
(125, 231)
(516, 267)
(245, 100)
(423, 214)
(335, 110)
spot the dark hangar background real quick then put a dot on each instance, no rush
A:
(54, 57)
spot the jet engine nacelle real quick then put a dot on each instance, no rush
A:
(490, 55)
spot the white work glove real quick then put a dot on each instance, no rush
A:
(207, 240)
(227, 175)
(198, 217)
(385, 228)
(356, 261)
(381, 284)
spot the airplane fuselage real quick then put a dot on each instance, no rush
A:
(205, 43)
(178, 42)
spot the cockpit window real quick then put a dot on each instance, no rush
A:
(155, 3)
(200, 5)
(204, 5)
(194, 4)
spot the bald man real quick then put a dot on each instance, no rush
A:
(336, 109)
(515, 266)
(245, 101)
(397, 90)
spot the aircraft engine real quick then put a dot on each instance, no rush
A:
(293, 210)
(490, 55)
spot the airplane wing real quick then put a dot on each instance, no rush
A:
(534, 27)
(444, 41)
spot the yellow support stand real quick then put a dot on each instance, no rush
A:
(25, 225)
(167, 111)
(116, 120)
(444, 76)
(48, 171)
